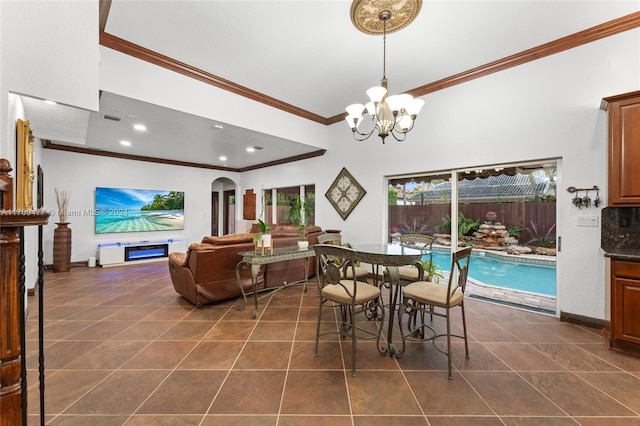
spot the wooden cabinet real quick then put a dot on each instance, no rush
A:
(625, 306)
(624, 148)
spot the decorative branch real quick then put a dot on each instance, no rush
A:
(62, 198)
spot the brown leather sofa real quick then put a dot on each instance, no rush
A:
(206, 273)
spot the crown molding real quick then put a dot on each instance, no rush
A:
(606, 29)
(103, 13)
(47, 144)
(589, 35)
(580, 38)
(144, 54)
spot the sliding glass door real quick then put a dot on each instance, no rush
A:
(507, 213)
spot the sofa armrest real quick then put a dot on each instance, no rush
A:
(177, 259)
(182, 277)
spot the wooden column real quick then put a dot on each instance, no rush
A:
(10, 351)
(12, 309)
(11, 302)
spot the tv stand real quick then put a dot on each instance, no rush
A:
(121, 253)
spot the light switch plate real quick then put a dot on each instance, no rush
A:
(587, 221)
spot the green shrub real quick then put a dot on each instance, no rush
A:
(432, 270)
(515, 231)
(542, 238)
(465, 225)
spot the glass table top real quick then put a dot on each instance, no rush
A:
(388, 249)
(281, 251)
(387, 254)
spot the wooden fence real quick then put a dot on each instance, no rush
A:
(427, 218)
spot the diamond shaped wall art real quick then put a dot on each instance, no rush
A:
(345, 193)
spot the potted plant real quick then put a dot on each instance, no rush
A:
(432, 271)
(299, 213)
(263, 238)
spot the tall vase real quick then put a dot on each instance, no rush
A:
(62, 247)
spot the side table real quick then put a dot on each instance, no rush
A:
(255, 259)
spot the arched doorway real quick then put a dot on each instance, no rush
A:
(223, 206)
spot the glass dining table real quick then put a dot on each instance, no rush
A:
(390, 256)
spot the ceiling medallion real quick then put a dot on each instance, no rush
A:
(365, 14)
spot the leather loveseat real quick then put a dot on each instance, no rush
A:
(206, 273)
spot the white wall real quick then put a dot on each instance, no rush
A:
(172, 90)
(544, 109)
(49, 50)
(80, 174)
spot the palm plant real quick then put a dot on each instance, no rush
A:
(433, 270)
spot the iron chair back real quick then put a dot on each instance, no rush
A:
(338, 287)
(335, 239)
(423, 243)
(423, 297)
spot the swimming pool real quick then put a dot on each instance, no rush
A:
(535, 277)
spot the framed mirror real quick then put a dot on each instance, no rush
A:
(24, 169)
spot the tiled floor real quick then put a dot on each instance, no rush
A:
(121, 347)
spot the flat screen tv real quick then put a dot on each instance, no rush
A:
(138, 210)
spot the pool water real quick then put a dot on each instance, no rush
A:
(525, 276)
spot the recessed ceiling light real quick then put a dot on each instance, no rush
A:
(222, 158)
(218, 126)
(125, 143)
(47, 101)
(140, 127)
(251, 149)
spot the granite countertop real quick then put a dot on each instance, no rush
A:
(632, 254)
(620, 235)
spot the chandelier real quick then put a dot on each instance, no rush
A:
(390, 115)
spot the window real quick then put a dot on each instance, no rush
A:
(279, 213)
(521, 198)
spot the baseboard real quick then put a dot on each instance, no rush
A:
(49, 266)
(32, 291)
(582, 320)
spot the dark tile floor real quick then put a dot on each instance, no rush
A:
(121, 347)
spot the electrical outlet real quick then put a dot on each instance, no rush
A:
(587, 221)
